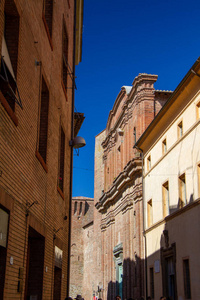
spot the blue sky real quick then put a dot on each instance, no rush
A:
(120, 40)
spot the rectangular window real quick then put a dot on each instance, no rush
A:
(48, 19)
(164, 146)
(65, 59)
(182, 191)
(48, 13)
(43, 126)
(165, 195)
(180, 129)
(61, 160)
(151, 277)
(186, 278)
(9, 60)
(148, 162)
(198, 110)
(149, 213)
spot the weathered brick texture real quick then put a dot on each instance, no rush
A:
(28, 192)
(82, 239)
(118, 189)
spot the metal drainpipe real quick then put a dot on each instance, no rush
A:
(71, 162)
(144, 234)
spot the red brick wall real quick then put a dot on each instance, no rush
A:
(23, 180)
(82, 238)
(118, 174)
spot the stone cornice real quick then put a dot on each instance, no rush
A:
(118, 100)
(142, 89)
(133, 167)
(124, 204)
(149, 78)
(175, 214)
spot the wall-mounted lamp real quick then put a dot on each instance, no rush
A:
(77, 142)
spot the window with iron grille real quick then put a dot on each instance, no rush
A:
(61, 160)
(43, 127)
(186, 277)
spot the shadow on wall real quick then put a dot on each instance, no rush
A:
(129, 280)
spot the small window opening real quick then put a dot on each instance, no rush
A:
(165, 194)
(164, 146)
(182, 191)
(149, 213)
(180, 129)
(198, 110)
(149, 163)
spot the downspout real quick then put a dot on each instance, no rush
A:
(71, 161)
(144, 234)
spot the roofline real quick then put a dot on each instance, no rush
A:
(167, 104)
(79, 31)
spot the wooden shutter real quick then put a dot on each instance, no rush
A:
(44, 110)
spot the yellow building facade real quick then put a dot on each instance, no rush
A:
(171, 188)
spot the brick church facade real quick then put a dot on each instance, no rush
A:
(38, 57)
(118, 223)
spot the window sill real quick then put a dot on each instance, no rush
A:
(64, 89)
(47, 31)
(60, 192)
(8, 109)
(41, 160)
